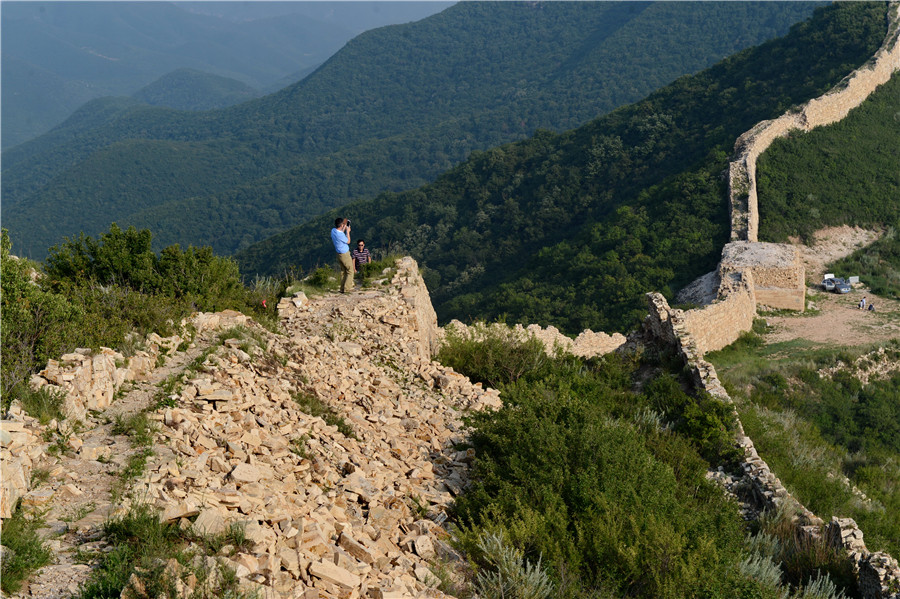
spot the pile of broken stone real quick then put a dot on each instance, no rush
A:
(326, 514)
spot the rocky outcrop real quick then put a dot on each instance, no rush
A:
(824, 110)
(90, 380)
(20, 450)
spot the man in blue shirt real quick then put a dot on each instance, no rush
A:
(340, 237)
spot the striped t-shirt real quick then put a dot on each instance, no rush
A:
(360, 257)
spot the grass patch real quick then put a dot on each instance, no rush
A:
(137, 427)
(248, 339)
(45, 404)
(28, 551)
(378, 269)
(144, 547)
(823, 434)
(312, 405)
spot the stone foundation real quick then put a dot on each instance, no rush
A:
(779, 278)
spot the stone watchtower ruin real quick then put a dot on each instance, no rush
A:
(778, 279)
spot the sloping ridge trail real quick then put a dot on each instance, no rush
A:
(332, 444)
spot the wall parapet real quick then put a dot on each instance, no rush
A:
(828, 108)
(878, 574)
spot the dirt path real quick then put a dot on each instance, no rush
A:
(835, 319)
(79, 490)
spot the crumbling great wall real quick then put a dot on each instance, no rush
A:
(367, 539)
(755, 274)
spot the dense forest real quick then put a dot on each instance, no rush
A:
(845, 173)
(572, 229)
(190, 89)
(391, 111)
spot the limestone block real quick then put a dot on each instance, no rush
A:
(95, 450)
(245, 473)
(178, 510)
(210, 521)
(334, 574)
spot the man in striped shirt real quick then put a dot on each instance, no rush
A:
(360, 255)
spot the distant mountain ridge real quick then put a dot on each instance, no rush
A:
(58, 55)
(189, 89)
(392, 110)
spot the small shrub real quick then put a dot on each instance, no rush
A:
(494, 355)
(322, 278)
(137, 426)
(312, 405)
(510, 574)
(28, 552)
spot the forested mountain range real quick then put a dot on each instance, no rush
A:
(572, 229)
(392, 110)
(189, 89)
(58, 55)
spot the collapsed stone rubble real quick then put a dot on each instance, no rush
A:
(587, 344)
(327, 514)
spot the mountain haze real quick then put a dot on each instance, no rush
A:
(59, 55)
(392, 110)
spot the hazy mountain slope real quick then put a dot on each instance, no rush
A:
(115, 48)
(572, 229)
(474, 76)
(189, 89)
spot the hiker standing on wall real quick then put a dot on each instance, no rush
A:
(360, 255)
(340, 237)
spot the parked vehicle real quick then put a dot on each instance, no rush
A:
(828, 284)
(841, 286)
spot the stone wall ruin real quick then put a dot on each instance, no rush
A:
(878, 574)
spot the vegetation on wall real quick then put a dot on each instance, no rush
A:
(97, 292)
(572, 229)
(821, 429)
(604, 485)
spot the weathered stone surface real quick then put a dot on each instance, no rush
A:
(245, 473)
(334, 574)
(210, 521)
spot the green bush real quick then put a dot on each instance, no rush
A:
(126, 259)
(36, 323)
(28, 551)
(612, 508)
(494, 355)
(102, 292)
(45, 404)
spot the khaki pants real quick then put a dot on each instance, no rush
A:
(346, 270)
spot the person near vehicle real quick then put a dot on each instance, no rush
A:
(862, 303)
(360, 255)
(871, 307)
(340, 237)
